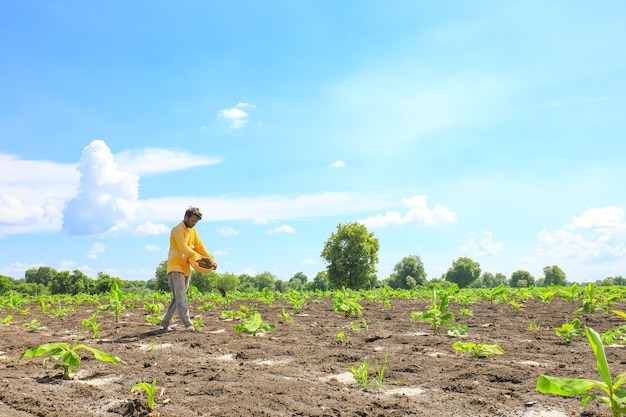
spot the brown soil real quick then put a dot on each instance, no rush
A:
(300, 369)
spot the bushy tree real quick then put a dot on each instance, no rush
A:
(463, 272)
(320, 282)
(42, 275)
(407, 274)
(489, 280)
(6, 284)
(104, 282)
(521, 279)
(226, 280)
(72, 284)
(610, 281)
(161, 277)
(351, 254)
(553, 275)
(265, 280)
(201, 281)
(297, 281)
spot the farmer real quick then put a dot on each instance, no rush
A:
(185, 247)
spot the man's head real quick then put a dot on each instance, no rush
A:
(192, 216)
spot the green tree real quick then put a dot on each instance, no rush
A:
(104, 282)
(42, 275)
(265, 280)
(225, 280)
(463, 272)
(351, 254)
(320, 282)
(6, 284)
(553, 275)
(521, 279)
(409, 273)
(281, 286)
(489, 280)
(72, 284)
(32, 288)
(161, 277)
(297, 281)
(201, 281)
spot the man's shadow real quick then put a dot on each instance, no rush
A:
(130, 338)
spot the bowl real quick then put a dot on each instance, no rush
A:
(199, 268)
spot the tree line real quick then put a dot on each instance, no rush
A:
(351, 255)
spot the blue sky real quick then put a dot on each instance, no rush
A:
(489, 130)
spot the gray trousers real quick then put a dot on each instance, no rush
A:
(179, 284)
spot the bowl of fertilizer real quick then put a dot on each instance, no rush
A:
(202, 266)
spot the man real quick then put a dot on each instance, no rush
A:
(185, 248)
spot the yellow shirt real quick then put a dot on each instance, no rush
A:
(185, 247)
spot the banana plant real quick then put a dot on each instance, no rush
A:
(116, 302)
(68, 355)
(615, 396)
(254, 325)
(150, 390)
(437, 315)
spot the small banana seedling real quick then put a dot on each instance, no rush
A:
(344, 303)
(343, 339)
(367, 379)
(116, 302)
(93, 324)
(61, 311)
(254, 325)
(615, 395)
(43, 305)
(33, 326)
(437, 315)
(197, 323)
(569, 330)
(478, 350)
(590, 302)
(150, 390)
(67, 355)
(285, 316)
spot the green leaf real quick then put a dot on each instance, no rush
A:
(42, 350)
(565, 386)
(598, 349)
(100, 355)
(71, 358)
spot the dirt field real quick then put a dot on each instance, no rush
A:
(300, 369)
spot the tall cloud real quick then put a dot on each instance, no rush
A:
(107, 197)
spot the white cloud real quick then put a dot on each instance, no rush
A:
(152, 248)
(605, 217)
(32, 202)
(107, 197)
(235, 115)
(338, 164)
(96, 249)
(484, 246)
(152, 161)
(13, 211)
(282, 229)
(418, 212)
(227, 231)
(308, 261)
(596, 234)
(151, 229)
(220, 252)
